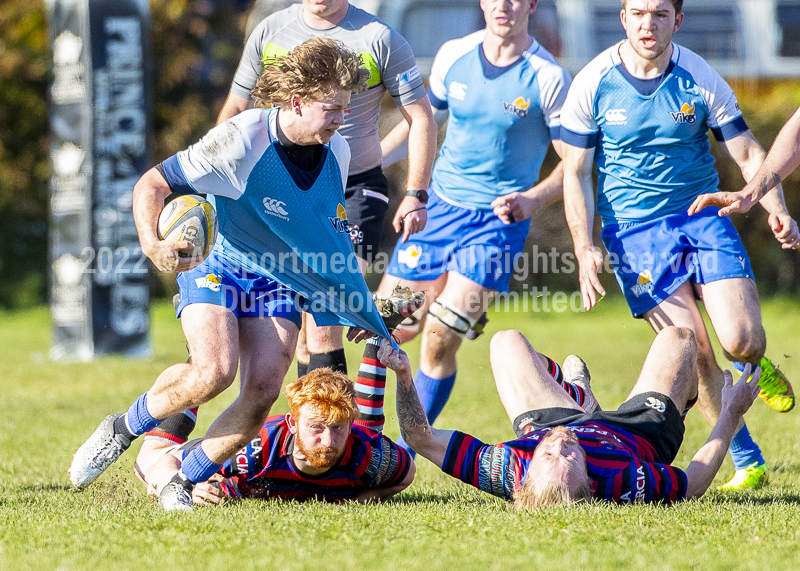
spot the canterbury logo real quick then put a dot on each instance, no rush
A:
(656, 404)
(275, 207)
(616, 116)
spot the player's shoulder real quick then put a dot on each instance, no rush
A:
(548, 70)
(457, 47)
(453, 50)
(694, 65)
(231, 141)
(370, 27)
(594, 71)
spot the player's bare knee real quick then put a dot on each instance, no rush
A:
(440, 342)
(502, 340)
(211, 378)
(745, 346)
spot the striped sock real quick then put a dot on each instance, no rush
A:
(575, 392)
(370, 387)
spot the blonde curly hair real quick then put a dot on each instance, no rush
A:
(313, 70)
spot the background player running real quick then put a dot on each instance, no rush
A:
(502, 92)
(641, 111)
(318, 450)
(391, 65)
(232, 308)
(564, 454)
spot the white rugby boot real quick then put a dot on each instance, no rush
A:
(98, 453)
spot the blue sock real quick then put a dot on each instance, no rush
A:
(433, 394)
(745, 452)
(197, 467)
(138, 419)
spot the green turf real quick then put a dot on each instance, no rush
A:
(47, 410)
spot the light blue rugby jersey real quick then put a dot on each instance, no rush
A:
(499, 127)
(263, 214)
(653, 153)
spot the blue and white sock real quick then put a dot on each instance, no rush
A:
(197, 467)
(744, 451)
(137, 420)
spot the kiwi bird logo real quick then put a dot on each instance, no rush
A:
(340, 220)
(686, 116)
(518, 107)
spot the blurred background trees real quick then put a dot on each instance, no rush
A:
(196, 46)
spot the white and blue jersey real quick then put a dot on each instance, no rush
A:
(501, 120)
(652, 150)
(277, 221)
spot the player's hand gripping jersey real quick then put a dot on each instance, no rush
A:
(385, 53)
(653, 154)
(501, 120)
(621, 465)
(276, 220)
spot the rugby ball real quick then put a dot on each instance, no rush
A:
(193, 219)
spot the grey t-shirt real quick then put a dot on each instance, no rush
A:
(385, 53)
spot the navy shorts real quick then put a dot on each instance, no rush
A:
(366, 201)
(652, 416)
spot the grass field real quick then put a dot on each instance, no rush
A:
(47, 410)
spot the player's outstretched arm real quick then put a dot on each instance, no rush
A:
(749, 155)
(425, 440)
(519, 206)
(148, 200)
(736, 400)
(783, 158)
(579, 208)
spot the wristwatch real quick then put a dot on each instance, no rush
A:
(421, 195)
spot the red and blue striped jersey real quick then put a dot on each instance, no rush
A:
(621, 465)
(265, 469)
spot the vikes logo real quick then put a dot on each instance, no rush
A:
(275, 207)
(644, 284)
(518, 107)
(616, 117)
(340, 220)
(685, 115)
(209, 282)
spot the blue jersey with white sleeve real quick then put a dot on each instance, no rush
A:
(276, 220)
(652, 149)
(501, 120)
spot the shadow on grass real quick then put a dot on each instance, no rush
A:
(761, 498)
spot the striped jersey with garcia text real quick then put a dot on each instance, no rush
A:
(620, 464)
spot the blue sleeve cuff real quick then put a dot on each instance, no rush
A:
(555, 133)
(730, 130)
(436, 102)
(581, 140)
(176, 180)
